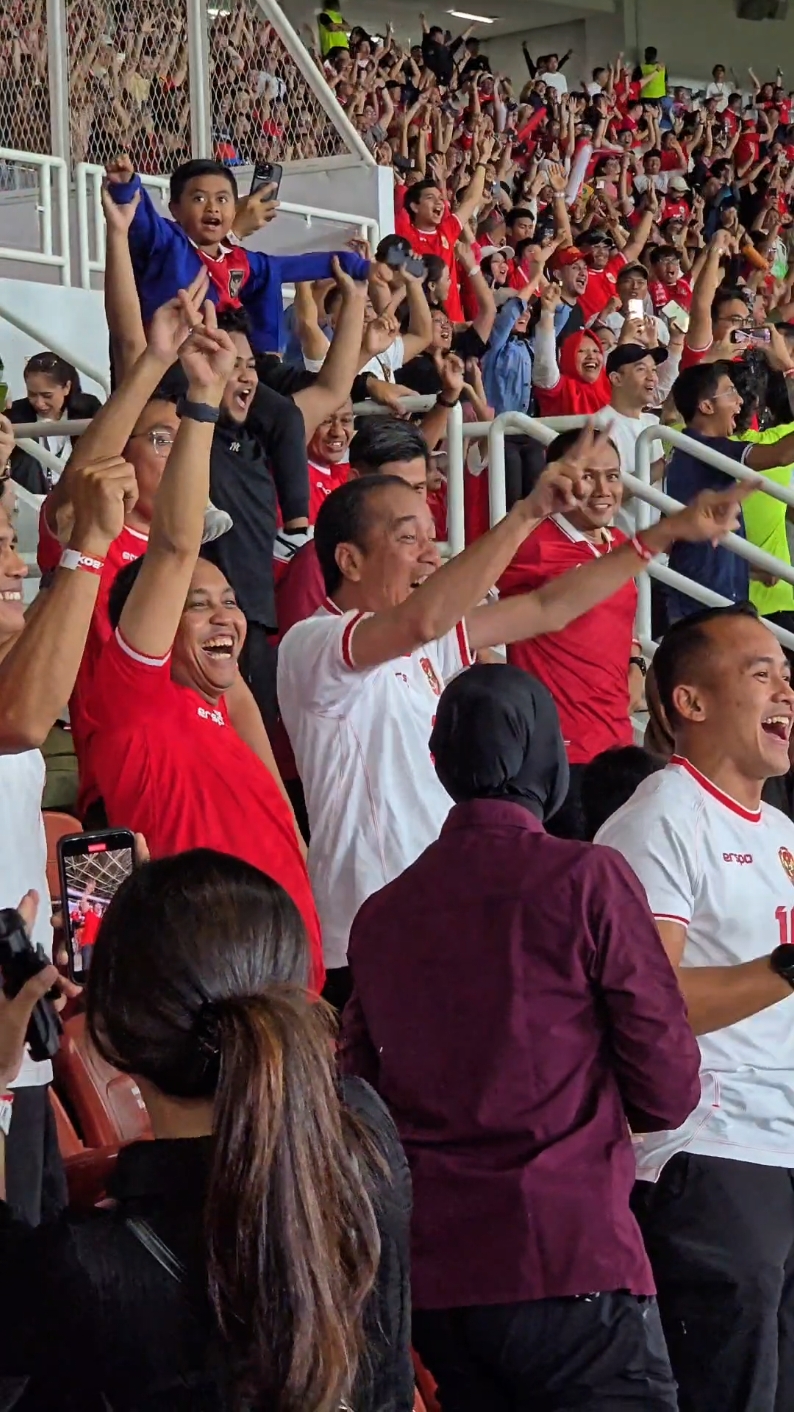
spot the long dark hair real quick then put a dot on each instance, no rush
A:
(57, 368)
(197, 984)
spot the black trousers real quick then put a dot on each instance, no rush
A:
(35, 1181)
(605, 1353)
(720, 1236)
(258, 662)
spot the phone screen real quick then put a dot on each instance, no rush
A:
(92, 868)
(636, 309)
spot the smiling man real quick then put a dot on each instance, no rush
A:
(709, 403)
(167, 759)
(590, 668)
(714, 1198)
(359, 682)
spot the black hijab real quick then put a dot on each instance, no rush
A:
(497, 736)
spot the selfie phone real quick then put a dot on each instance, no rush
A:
(676, 314)
(755, 337)
(415, 266)
(92, 867)
(636, 309)
(395, 257)
(600, 184)
(267, 174)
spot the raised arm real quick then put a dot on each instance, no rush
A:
(112, 426)
(559, 602)
(152, 611)
(122, 306)
(472, 196)
(420, 323)
(332, 385)
(636, 243)
(38, 674)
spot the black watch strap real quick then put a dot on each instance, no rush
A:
(639, 662)
(782, 963)
(197, 411)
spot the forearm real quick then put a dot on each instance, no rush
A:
(473, 194)
(335, 378)
(178, 519)
(314, 343)
(112, 426)
(38, 674)
(122, 306)
(562, 221)
(718, 996)
(545, 371)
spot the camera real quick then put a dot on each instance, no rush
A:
(19, 960)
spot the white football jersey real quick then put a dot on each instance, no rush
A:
(726, 873)
(361, 743)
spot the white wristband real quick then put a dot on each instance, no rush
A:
(73, 559)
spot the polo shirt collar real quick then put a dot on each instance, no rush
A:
(577, 536)
(223, 251)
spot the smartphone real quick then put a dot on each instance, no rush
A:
(600, 184)
(92, 867)
(415, 266)
(676, 314)
(267, 174)
(754, 337)
(636, 309)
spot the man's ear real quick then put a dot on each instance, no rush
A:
(349, 559)
(689, 703)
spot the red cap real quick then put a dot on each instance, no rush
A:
(567, 256)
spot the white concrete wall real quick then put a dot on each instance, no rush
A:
(694, 35)
(72, 318)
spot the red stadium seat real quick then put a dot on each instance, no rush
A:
(107, 1105)
(57, 826)
(69, 1143)
(87, 1169)
(426, 1386)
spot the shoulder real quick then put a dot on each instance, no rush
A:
(669, 797)
(364, 1103)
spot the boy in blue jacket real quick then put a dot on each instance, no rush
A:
(167, 255)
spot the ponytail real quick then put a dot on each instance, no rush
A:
(293, 1244)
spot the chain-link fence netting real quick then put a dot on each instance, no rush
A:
(128, 82)
(262, 107)
(24, 88)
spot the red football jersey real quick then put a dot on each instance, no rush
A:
(322, 480)
(586, 666)
(440, 241)
(601, 285)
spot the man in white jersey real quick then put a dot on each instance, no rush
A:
(359, 681)
(715, 1199)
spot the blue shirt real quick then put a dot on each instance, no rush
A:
(714, 567)
(507, 365)
(165, 260)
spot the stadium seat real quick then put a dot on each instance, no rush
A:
(107, 1105)
(426, 1387)
(56, 826)
(87, 1169)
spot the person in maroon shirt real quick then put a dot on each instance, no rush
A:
(514, 1007)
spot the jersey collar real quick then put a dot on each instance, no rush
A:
(571, 532)
(752, 816)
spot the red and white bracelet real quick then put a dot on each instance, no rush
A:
(73, 559)
(642, 549)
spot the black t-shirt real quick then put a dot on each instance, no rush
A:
(241, 483)
(421, 373)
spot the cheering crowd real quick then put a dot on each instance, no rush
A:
(536, 1139)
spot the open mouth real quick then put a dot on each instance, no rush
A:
(11, 595)
(242, 398)
(220, 648)
(335, 448)
(777, 728)
(211, 223)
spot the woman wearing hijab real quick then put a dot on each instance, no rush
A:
(578, 384)
(514, 1008)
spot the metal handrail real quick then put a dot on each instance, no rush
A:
(46, 340)
(50, 169)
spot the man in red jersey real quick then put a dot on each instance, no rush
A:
(433, 229)
(166, 757)
(586, 666)
(327, 454)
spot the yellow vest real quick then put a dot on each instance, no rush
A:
(330, 39)
(657, 88)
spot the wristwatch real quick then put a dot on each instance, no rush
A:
(782, 963)
(197, 411)
(639, 662)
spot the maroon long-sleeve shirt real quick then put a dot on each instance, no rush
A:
(516, 1010)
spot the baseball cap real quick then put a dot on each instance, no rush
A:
(627, 353)
(570, 255)
(506, 250)
(678, 183)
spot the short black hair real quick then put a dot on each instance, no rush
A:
(199, 167)
(381, 440)
(721, 164)
(344, 518)
(519, 213)
(652, 152)
(235, 321)
(610, 779)
(663, 252)
(651, 54)
(392, 242)
(696, 384)
(685, 647)
(727, 294)
(414, 193)
(563, 442)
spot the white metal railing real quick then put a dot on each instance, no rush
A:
(53, 214)
(91, 242)
(647, 496)
(45, 340)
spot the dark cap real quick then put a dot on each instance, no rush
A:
(627, 353)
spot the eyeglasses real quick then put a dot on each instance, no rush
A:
(162, 441)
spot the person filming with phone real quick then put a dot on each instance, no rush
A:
(39, 660)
